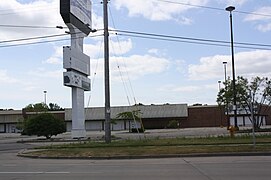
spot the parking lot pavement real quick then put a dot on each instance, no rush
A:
(149, 134)
(98, 135)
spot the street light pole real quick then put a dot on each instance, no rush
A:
(219, 85)
(230, 9)
(225, 70)
(227, 109)
(44, 96)
(219, 88)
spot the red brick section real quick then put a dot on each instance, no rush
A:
(266, 110)
(205, 116)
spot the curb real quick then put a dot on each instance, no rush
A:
(22, 154)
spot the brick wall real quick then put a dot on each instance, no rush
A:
(205, 116)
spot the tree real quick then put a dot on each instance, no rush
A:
(38, 107)
(42, 107)
(132, 115)
(54, 107)
(44, 124)
(257, 92)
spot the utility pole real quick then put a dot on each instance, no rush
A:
(106, 75)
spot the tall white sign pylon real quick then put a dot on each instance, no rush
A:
(77, 16)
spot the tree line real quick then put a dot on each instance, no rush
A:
(252, 96)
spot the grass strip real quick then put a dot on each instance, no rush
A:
(148, 150)
(157, 147)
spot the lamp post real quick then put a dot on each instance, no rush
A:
(44, 96)
(230, 9)
(225, 70)
(219, 88)
(227, 109)
(219, 85)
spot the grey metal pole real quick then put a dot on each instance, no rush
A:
(106, 75)
(225, 70)
(230, 9)
(45, 96)
(252, 118)
(227, 104)
(219, 85)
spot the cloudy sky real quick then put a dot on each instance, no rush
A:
(151, 69)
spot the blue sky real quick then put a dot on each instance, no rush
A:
(149, 71)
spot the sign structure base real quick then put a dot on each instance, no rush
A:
(78, 113)
(78, 133)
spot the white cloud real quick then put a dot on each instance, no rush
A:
(181, 66)
(180, 89)
(116, 48)
(120, 47)
(156, 10)
(5, 78)
(158, 52)
(135, 66)
(140, 65)
(56, 58)
(263, 23)
(35, 13)
(236, 2)
(264, 27)
(251, 63)
(261, 11)
(43, 73)
(153, 51)
(184, 20)
(209, 68)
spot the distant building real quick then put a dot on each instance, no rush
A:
(9, 120)
(152, 117)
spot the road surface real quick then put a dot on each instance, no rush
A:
(198, 168)
(207, 168)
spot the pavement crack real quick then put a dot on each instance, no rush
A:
(198, 169)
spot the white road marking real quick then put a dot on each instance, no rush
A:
(35, 172)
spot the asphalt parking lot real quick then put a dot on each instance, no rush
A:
(98, 135)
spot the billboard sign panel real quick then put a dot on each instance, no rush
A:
(74, 79)
(77, 13)
(76, 60)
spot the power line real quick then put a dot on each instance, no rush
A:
(191, 40)
(38, 27)
(33, 38)
(52, 6)
(41, 42)
(192, 5)
(253, 13)
(23, 11)
(30, 26)
(213, 8)
(36, 38)
(128, 76)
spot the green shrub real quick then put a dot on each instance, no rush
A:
(135, 130)
(44, 124)
(173, 124)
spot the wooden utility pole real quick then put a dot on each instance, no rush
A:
(106, 75)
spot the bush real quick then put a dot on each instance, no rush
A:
(135, 130)
(173, 124)
(44, 124)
